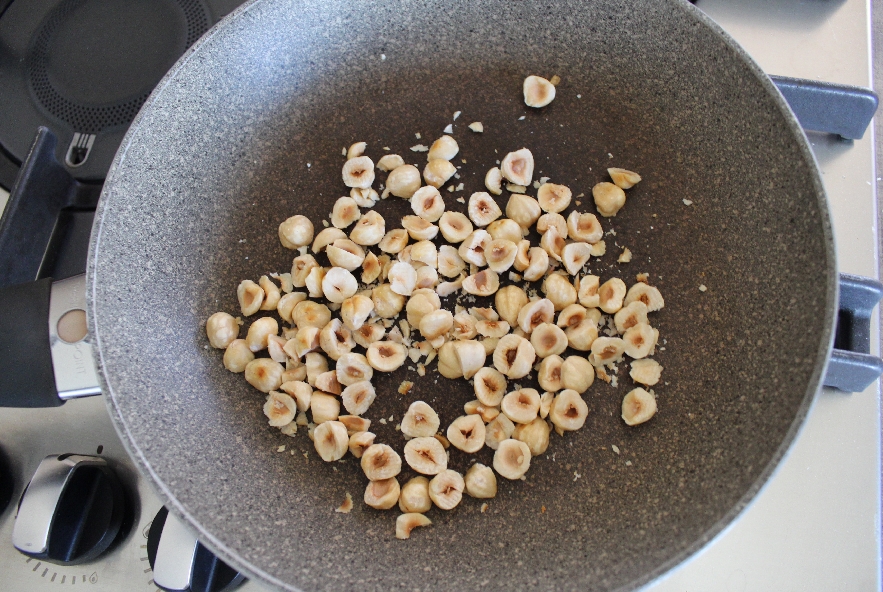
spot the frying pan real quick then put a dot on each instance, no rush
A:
(247, 129)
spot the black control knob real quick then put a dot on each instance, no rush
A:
(5, 483)
(72, 510)
(181, 563)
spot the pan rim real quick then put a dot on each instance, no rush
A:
(717, 530)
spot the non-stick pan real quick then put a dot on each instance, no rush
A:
(247, 130)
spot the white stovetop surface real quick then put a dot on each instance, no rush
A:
(816, 525)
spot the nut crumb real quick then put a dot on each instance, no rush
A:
(643, 278)
(405, 387)
(346, 506)
(461, 200)
(456, 115)
(449, 129)
(626, 255)
(521, 118)
(477, 127)
(383, 420)
(615, 448)
(628, 463)
(702, 287)
(417, 135)
(484, 507)
(419, 148)
(555, 80)
(281, 448)
(542, 509)
(688, 202)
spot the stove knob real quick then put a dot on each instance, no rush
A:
(72, 510)
(5, 483)
(181, 563)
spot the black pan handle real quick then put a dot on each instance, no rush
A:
(833, 108)
(852, 368)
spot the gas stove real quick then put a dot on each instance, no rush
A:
(815, 525)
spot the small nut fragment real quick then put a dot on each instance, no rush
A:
(347, 506)
(575, 255)
(369, 230)
(535, 434)
(405, 523)
(437, 172)
(476, 126)
(465, 326)
(455, 227)
(403, 181)
(237, 356)
(295, 232)
(338, 284)
(493, 180)
(415, 496)
(382, 494)
(427, 203)
(609, 198)
(577, 374)
(553, 198)
(550, 373)
(324, 407)
(500, 255)
(649, 295)
(630, 315)
(638, 406)
(354, 424)
(251, 296)
(389, 162)
(325, 238)
(584, 227)
(364, 198)
(356, 150)
(344, 212)
(388, 303)
(640, 340)
(481, 482)
(514, 356)
(523, 209)
(300, 391)
(300, 269)
(446, 489)
(606, 350)
(483, 283)
(538, 92)
(512, 459)
(521, 406)
(445, 148)
(379, 462)
(386, 356)
(352, 368)
(346, 254)
(221, 329)
(420, 421)
(316, 364)
(489, 386)
(509, 300)
(548, 340)
(611, 295)
(535, 313)
(483, 209)
(331, 440)
(281, 408)
(358, 172)
(359, 442)
(623, 178)
(473, 247)
(355, 311)
(645, 371)
(357, 397)
(426, 455)
(418, 228)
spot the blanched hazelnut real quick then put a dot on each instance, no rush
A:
(500, 255)
(386, 356)
(534, 313)
(606, 350)
(446, 489)
(344, 212)
(221, 329)
(464, 326)
(448, 364)
(559, 291)
(577, 374)
(369, 230)
(330, 440)
(630, 315)
(521, 406)
(640, 340)
(483, 283)
(310, 314)
(582, 335)
(493, 180)
(264, 374)
(251, 296)
(509, 300)
(467, 433)
(357, 397)
(553, 198)
(355, 311)
(535, 434)
(473, 247)
(470, 356)
(483, 209)
(575, 255)
(514, 356)
(316, 364)
(427, 203)
(437, 172)
(517, 167)
(300, 269)
(425, 252)
(497, 430)
(436, 324)
(325, 238)
(553, 243)
(624, 178)
(389, 162)
(512, 459)
(548, 340)
(379, 462)
(638, 406)
(549, 375)
(352, 368)
(418, 228)
(539, 264)
(445, 148)
(422, 302)
(394, 241)
(387, 303)
(324, 407)
(414, 496)
(358, 172)
(584, 227)
(538, 92)
(505, 229)
(368, 334)
(568, 411)
(295, 232)
(611, 295)
(382, 494)
(489, 386)
(259, 331)
(359, 442)
(237, 356)
(523, 209)
(609, 198)
(346, 254)
(338, 284)
(547, 221)
(481, 482)
(454, 226)
(314, 281)
(335, 339)
(649, 295)
(403, 181)
(450, 264)
(588, 291)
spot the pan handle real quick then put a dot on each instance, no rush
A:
(852, 368)
(833, 108)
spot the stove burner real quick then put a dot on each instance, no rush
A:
(93, 63)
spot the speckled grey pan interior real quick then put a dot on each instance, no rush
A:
(247, 130)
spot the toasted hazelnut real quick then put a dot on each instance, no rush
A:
(521, 406)
(483, 209)
(325, 238)
(314, 281)
(344, 212)
(535, 434)
(517, 167)
(420, 421)
(547, 221)
(354, 423)
(464, 326)
(369, 230)
(638, 406)
(359, 442)
(386, 356)
(355, 311)
(331, 440)
(548, 340)
(387, 303)
(295, 232)
(427, 203)
(575, 255)
(611, 295)
(382, 494)
(483, 283)
(394, 241)
(549, 375)
(379, 462)
(415, 496)
(505, 229)
(538, 92)
(300, 269)
(606, 350)
(446, 489)
(509, 300)
(251, 296)
(259, 332)
(630, 315)
(584, 227)
(539, 264)
(609, 198)
(582, 335)
(559, 291)
(437, 172)
(577, 374)
(444, 148)
(403, 181)
(324, 407)
(500, 255)
(514, 356)
(472, 249)
(535, 313)
(418, 228)
(649, 295)
(310, 314)
(553, 243)
(568, 411)
(368, 334)
(454, 226)
(425, 252)
(467, 433)
(357, 397)
(237, 356)
(588, 291)
(523, 209)
(346, 254)
(499, 429)
(286, 304)
(512, 459)
(481, 482)
(221, 329)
